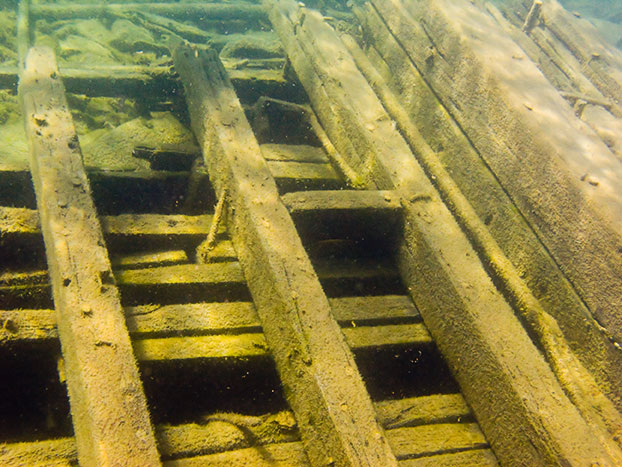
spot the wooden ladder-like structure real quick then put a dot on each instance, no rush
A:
(252, 301)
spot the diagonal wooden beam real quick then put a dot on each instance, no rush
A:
(108, 406)
(321, 381)
(503, 375)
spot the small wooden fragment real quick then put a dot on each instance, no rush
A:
(108, 406)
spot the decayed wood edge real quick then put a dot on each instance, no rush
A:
(108, 406)
(580, 385)
(195, 318)
(556, 170)
(321, 381)
(540, 272)
(503, 399)
(219, 432)
(216, 346)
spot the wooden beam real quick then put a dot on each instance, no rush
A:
(108, 406)
(369, 201)
(317, 369)
(159, 82)
(456, 297)
(222, 432)
(209, 318)
(561, 176)
(187, 11)
(22, 221)
(461, 175)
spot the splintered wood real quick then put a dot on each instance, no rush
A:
(108, 407)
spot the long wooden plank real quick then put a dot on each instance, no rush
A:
(456, 297)
(471, 178)
(208, 318)
(159, 82)
(317, 369)
(561, 176)
(369, 201)
(474, 457)
(254, 344)
(22, 221)
(184, 283)
(108, 406)
(222, 432)
(187, 11)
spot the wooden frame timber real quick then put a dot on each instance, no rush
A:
(108, 406)
(436, 255)
(336, 418)
(561, 176)
(481, 205)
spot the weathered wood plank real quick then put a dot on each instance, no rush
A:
(475, 458)
(498, 212)
(370, 201)
(54, 452)
(182, 283)
(277, 455)
(318, 372)
(565, 72)
(221, 432)
(254, 344)
(187, 11)
(304, 175)
(24, 221)
(455, 295)
(158, 82)
(293, 153)
(102, 376)
(437, 408)
(150, 260)
(427, 440)
(185, 348)
(195, 318)
(544, 157)
(219, 281)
